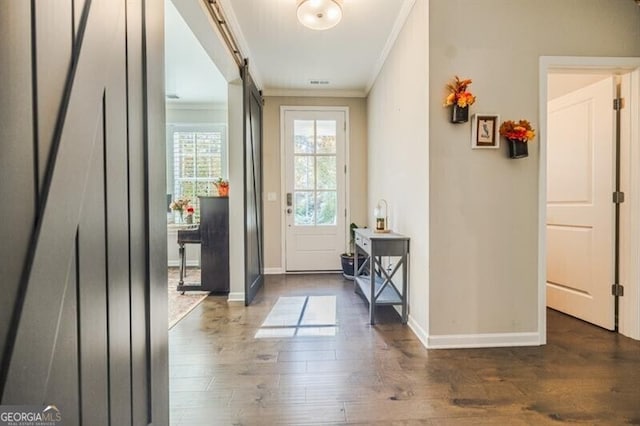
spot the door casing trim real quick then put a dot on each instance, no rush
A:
(283, 183)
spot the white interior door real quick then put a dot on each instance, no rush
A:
(580, 212)
(315, 189)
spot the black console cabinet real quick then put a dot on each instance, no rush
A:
(214, 250)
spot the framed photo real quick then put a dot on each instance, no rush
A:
(484, 131)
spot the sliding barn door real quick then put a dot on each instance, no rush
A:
(254, 260)
(83, 322)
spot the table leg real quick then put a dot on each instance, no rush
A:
(372, 303)
(405, 288)
(183, 263)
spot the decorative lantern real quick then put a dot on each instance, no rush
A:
(382, 216)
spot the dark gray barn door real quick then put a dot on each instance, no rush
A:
(254, 261)
(83, 322)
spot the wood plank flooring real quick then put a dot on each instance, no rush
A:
(363, 375)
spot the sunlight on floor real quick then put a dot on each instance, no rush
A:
(300, 316)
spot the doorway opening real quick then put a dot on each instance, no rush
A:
(196, 162)
(581, 176)
(578, 225)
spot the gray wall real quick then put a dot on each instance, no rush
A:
(83, 321)
(398, 152)
(483, 226)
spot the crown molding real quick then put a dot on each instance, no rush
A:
(401, 19)
(177, 104)
(315, 93)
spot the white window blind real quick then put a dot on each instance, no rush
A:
(199, 157)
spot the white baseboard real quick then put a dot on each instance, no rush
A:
(236, 297)
(490, 340)
(420, 332)
(273, 271)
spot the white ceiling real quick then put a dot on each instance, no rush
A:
(284, 55)
(189, 72)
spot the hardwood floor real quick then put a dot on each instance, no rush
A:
(221, 374)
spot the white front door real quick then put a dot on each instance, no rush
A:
(315, 197)
(580, 212)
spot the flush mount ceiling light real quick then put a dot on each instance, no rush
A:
(319, 14)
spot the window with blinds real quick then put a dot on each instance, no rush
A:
(199, 157)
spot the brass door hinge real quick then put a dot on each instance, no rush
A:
(617, 290)
(618, 104)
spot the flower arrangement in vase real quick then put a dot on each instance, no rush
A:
(179, 206)
(190, 212)
(222, 185)
(459, 98)
(517, 134)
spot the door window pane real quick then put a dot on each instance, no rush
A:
(326, 137)
(304, 208)
(326, 167)
(326, 205)
(303, 136)
(315, 172)
(304, 172)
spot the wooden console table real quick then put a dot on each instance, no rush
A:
(378, 287)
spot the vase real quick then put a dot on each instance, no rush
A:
(518, 148)
(459, 114)
(223, 191)
(179, 218)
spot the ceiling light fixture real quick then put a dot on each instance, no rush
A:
(319, 14)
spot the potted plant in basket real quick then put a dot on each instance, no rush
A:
(460, 99)
(222, 185)
(348, 259)
(517, 134)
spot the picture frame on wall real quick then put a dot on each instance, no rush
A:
(484, 131)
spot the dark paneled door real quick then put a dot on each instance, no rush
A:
(83, 321)
(254, 265)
